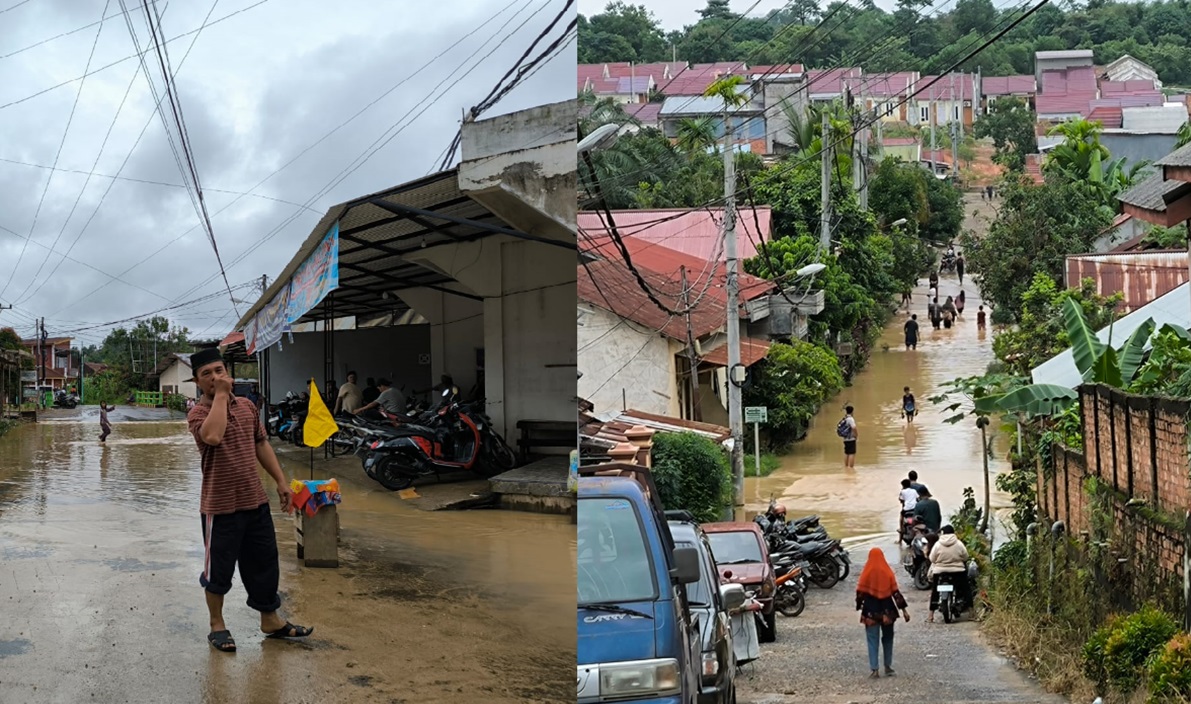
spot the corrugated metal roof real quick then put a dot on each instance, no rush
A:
(645, 113)
(699, 105)
(619, 293)
(694, 232)
(942, 90)
(1179, 157)
(658, 70)
(829, 81)
(882, 85)
(1140, 276)
(772, 71)
(1009, 85)
(752, 351)
(1154, 120)
(1151, 194)
(1174, 307)
(1107, 116)
(1064, 54)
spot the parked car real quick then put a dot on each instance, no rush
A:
(637, 640)
(743, 558)
(710, 603)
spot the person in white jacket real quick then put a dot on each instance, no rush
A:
(949, 555)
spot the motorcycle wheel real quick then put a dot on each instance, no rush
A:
(498, 453)
(824, 574)
(388, 473)
(766, 627)
(945, 608)
(789, 601)
(921, 581)
(845, 568)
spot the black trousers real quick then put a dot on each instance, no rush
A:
(244, 540)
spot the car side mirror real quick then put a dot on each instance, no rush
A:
(686, 565)
(732, 596)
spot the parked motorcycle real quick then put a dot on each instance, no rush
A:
(790, 597)
(457, 438)
(64, 399)
(915, 558)
(805, 532)
(947, 265)
(952, 601)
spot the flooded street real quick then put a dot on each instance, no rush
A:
(101, 548)
(863, 501)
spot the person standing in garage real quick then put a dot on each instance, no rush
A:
(390, 399)
(350, 397)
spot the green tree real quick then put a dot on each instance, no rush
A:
(692, 473)
(717, 10)
(1041, 333)
(1037, 226)
(635, 25)
(695, 136)
(1011, 127)
(974, 16)
(793, 381)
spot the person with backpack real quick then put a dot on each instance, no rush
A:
(847, 430)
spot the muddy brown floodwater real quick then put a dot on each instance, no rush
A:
(863, 501)
(100, 551)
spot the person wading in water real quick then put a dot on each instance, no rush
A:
(105, 427)
(238, 528)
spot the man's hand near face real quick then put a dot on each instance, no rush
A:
(223, 385)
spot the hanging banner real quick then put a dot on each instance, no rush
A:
(265, 330)
(318, 276)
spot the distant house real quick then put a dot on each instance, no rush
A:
(1128, 68)
(748, 120)
(1061, 61)
(54, 362)
(946, 100)
(994, 88)
(827, 85)
(777, 87)
(1065, 93)
(908, 149)
(625, 82)
(1139, 276)
(173, 373)
(880, 93)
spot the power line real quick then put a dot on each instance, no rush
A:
(310, 147)
(41, 201)
(396, 129)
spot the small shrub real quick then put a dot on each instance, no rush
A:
(1169, 670)
(1093, 655)
(1132, 640)
(1010, 555)
(691, 472)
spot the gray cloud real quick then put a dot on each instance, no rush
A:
(256, 90)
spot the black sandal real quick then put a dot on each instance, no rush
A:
(284, 631)
(222, 641)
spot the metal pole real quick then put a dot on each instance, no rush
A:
(932, 110)
(735, 420)
(757, 446)
(825, 186)
(958, 104)
(696, 403)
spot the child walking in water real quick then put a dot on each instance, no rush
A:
(104, 425)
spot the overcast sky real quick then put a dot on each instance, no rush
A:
(257, 89)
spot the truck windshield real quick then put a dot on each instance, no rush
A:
(612, 562)
(730, 548)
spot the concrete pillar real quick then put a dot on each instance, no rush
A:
(494, 365)
(318, 537)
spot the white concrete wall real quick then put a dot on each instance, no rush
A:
(456, 333)
(625, 368)
(175, 375)
(393, 352)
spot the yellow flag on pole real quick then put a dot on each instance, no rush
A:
(319, 424)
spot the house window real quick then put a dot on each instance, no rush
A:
(888, 109)
(924, 113)
(169, 389)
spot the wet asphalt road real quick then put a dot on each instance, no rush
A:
(100, 550)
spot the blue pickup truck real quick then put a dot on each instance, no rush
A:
(637, 640)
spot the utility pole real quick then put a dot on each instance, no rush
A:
(735, 378)
(696, 402)
(825, 187)
(41, 339)
(932, 110)
(958, 106)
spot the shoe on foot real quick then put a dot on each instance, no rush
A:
(874, 675)
(889, 672)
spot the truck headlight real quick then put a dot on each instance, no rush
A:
(711, 665)
(640, 677)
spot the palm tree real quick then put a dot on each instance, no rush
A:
(1083, 159)
(695, 135)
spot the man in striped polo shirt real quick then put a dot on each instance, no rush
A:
(237, 525)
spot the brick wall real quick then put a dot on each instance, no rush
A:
(1137, 445)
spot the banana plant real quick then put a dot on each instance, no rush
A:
(1099, 362)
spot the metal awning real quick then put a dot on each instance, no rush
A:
(377, 231)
